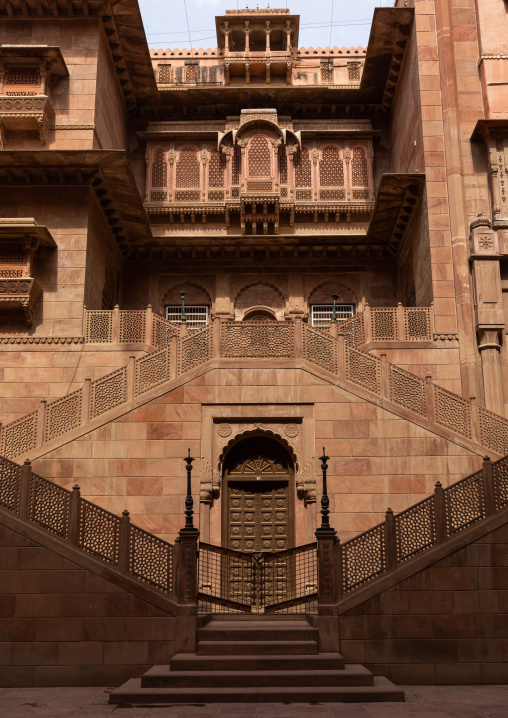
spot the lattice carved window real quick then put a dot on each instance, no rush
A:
(191, 73)
(22, 81)
(159, 175)
(12, 262)
(259, 157)
(327, 72)
(283, 165)
(188, 171)
(303, 168)
(235, 165)
(353, 69)
(359, 168)
(165, 74)
(216, 169)
(331, 167)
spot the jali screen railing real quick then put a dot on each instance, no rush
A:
(428, 523)
(340, 351)
(85, 525)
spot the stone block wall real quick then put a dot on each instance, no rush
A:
(378, 459)
(63, 625)
(446, 624)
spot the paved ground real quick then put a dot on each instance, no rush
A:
(421, 702)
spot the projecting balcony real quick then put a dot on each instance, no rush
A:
(25, 113)
(21, 293)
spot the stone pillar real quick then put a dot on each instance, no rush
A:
(247, 33)
(489, 309)
(327, 591)
(267, 31)
(489, 346)
(186, 589)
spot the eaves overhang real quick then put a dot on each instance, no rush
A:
(124, 31)
(107, 172)
(396, 200)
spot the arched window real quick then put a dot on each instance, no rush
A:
(259, 157)
(159, 169)
(303, 168)
(359, 168)
(216, 169)
(187, 168)
(331, 167)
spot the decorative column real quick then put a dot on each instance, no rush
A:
(186, 572)
(247, 33)
(326, 538)
(485, 266)
(489, 346)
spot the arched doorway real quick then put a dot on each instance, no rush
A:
(258, 496)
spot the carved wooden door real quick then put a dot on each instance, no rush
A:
(258, 518)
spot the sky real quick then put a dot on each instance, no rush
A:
(322, 22)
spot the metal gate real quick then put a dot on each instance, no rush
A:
(236, 582)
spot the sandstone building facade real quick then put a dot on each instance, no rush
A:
(253, 251)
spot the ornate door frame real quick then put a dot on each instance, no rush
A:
(224, 424)
(245, 479)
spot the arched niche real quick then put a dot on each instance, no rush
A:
(322, 294)
(259, 295)
(195, 295)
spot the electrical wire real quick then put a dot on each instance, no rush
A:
(187, 18)
(331, 26)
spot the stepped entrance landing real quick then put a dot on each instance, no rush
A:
(257, 659)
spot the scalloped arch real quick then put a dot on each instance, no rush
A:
(338, 284)
(262, 282)
(226, 448)
(187, 282)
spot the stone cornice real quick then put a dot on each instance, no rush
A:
(124, 32)
(108, 173)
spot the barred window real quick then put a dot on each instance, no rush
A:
(322, 314)
(159, 169)
(303, 168)
(195, 316)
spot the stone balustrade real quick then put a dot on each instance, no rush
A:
(336, 350)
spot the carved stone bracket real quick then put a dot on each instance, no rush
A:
(209, 484)
(306, 483)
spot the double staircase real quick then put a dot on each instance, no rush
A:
(257, 659)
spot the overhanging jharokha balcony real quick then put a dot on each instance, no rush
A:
(338, 351)
(32, 113)
(20, 293)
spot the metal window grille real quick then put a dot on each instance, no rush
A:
(196, 316)
(322, 313)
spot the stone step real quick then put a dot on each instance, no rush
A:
(249, 648)
(164, 676)
(320, 662)
(257, 617)
(247, 631)
(381, 690)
